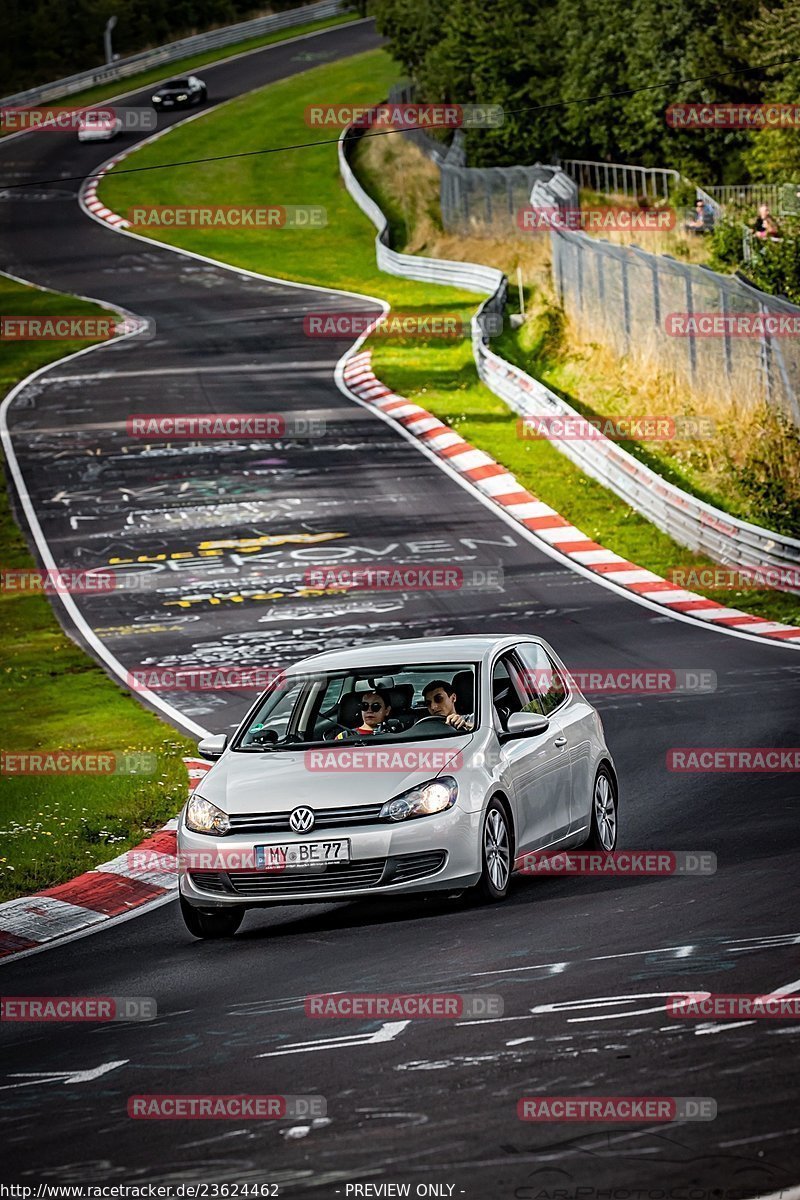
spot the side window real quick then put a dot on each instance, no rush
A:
(544, 683)
(508, 695)
(275, 714)
(325, 712)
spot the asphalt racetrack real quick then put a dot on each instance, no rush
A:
(583, 965)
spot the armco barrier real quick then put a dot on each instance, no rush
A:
(691, 522)
(472, 277)
(173, 51)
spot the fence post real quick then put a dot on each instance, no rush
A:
(555, 253)
(765, 355)
(656, 293)
(726, 339)
(626, 301)
(687, 279)
(580, 276)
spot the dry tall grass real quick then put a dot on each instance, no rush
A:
(753, 455)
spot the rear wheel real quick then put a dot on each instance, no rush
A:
(206, 923)
(496, 854)
(603, 835)
(202, 95)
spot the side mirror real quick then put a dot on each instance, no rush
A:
(524, 724)
(213, 747)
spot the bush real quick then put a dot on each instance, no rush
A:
(726, 245)
(775, 266)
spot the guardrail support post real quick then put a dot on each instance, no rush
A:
(692, 348)
(626, 302)
(726, 343)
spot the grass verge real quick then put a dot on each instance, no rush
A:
(55, 697)
(439, 373)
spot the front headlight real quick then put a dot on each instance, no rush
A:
(204, 817)
(156, 99)
(435, 796)
(183, 96)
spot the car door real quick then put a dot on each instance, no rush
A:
(536, 770)
(576, 717)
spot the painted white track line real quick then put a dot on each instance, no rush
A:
(352, 372)
(633, 583)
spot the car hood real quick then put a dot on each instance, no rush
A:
(172, 92)
(279, 780)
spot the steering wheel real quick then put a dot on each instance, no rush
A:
(330, 734)
(394, 725)
(438, 720)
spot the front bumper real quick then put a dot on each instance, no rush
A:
(421, 855)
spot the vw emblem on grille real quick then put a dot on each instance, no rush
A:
(301, 820)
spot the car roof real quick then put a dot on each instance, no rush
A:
(458, 648)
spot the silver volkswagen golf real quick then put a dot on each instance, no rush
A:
(412, 766)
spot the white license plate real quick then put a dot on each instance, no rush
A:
(281, 856)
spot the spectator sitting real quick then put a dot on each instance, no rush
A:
(703, 219)
(765, 225)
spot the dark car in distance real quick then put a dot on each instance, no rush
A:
(180, 93)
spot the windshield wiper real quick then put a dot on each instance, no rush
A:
(263, 747)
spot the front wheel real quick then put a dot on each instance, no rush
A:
(603, 834)
(496, 855)
(204, 923)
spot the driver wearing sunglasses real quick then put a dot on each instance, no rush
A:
(375, 708)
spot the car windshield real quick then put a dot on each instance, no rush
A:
(177, 83)
(390, 704)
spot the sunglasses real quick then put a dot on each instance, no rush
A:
(373, 707)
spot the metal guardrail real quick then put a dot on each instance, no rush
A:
(174, 51)
(691, 522)
(747, 194)
(472, 277)
(625, 179)
(621, 179)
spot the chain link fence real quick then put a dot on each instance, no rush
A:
(485, 201)
(622, 296)
(656, 306)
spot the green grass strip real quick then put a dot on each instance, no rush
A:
(55, 697)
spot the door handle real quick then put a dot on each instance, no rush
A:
(560, 741)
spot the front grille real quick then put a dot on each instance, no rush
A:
(358, 875)
(325, 818)
(362, 873)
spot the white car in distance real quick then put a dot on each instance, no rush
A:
(98, 125)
